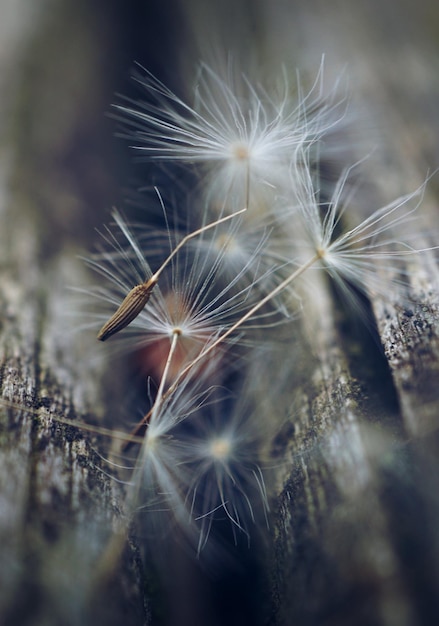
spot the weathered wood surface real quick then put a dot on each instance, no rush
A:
(58, 506)
(354, 528)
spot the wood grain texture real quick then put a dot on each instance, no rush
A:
(58, 503)
(355, 534)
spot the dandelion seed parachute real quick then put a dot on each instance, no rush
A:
(161, 477)
(371, 256)
(191, 297)
(136, 299)
(203, 449)
(227, 482)
(242, 137)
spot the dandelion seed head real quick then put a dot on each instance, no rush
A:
(232, 128)
(370, 255)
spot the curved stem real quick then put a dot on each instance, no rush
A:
(113, 551)
(175, 337)
(186, 238)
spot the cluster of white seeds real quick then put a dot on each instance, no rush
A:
(198, 300)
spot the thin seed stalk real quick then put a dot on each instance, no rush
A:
(204, 353)
(113, 551)
(136, 300)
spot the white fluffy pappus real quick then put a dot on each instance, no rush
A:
(242, 136)
(256, 244)
(371, 256)
(196, 298)
(224, 456)
(366, 256)
(161, 477)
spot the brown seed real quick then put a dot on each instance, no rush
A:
(130, 308)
